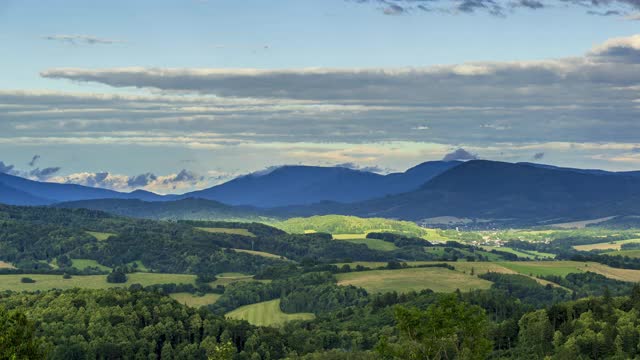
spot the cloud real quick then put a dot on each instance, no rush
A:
(538, 156)
(459, 155)
(502, 7)
(43, 174)
(366, 168)
(80, 39)
(351, 114)
(34, 159)
(6, 168)
(35, 174)
(183, 180)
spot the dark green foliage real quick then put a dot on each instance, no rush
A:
(399, 240)
(27, 280)
(448, 329)
(17, 337)
(117, 276)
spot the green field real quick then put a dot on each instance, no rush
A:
(352, 227)
(232, 231)
(266, 313)
(416, 279)
(82, 264)
(259, 253)
(46, 282)
(521, 254)
(100, 236)
(374, 244)
(196, 301)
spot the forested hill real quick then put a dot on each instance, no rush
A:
(186, 209)
(37, 238)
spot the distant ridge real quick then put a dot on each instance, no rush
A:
(185, 209)
(30, 192)
(299, 185)
(499, 191)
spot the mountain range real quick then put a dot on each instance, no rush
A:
(299, 185)
(15, 190)
(287, 185)
(478, 189)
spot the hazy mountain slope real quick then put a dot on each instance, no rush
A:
(186, 209)
(496, 190)
(11, 196)
(69, 192)
(291, 185)
(584, 171)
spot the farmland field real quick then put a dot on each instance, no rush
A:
(232, 231)
(629, 253)
(545, 268)
(100, 236)
(46, 282)
(415, 279)
(266, 313)
(612, 245)
(520, 254)
(195, 300)
(6, 265)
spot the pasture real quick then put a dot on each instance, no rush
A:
(266, 313)
(243, 232)
(195, 301)
(413, 279)
(47, 282)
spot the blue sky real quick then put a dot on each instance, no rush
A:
(156, 87)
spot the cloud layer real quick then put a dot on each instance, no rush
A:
(501, 7)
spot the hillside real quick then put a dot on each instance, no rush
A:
(338, 224)
(292, 185)
(187, 209)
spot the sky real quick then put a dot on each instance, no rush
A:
(172, 96)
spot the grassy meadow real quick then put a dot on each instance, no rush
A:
(195, 301)
(266, 313)
(413, 279)
(47, 282)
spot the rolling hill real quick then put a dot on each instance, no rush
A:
(186, 209)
